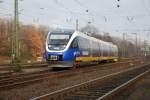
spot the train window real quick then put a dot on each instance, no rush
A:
(104, 50)
(80, 43)
(74, 43)
(83, 43)
(95, 48)
(58, 41)
(100, 49)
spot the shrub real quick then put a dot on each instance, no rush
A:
(17, 68)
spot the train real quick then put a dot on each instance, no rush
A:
(70, 48)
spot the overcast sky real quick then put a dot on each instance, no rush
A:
(131, 16)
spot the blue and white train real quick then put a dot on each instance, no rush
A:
(69, 48)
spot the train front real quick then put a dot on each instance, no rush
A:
(58, 52)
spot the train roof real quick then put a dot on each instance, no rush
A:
(93, 38)
(78, 33)
(67, 31)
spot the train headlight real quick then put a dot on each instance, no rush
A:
(49, 46)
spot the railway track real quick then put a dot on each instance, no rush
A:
(24, 66)
(10, 75)
(13, 81)
(24, 79)
(102, 88)
(8, 70)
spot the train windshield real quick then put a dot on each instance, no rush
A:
(58, 41)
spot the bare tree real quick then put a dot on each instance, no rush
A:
(90, 30)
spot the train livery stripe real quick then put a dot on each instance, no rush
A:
(96, 58)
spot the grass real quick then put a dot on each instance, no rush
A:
(147, 90)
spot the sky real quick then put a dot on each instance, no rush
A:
(133, 16)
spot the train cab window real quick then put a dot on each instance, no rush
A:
(58, 41)
(74, 43)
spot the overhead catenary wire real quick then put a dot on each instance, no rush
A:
(105, 17)
(85, 16)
